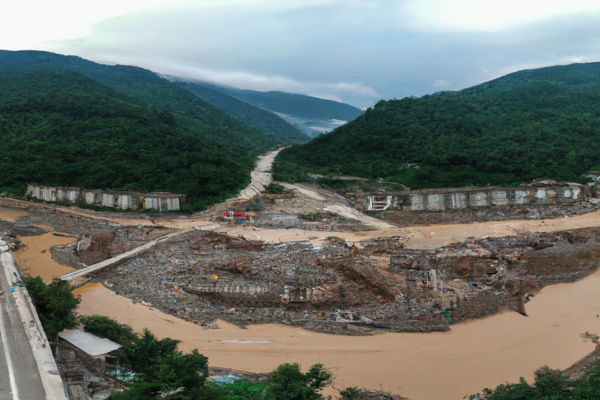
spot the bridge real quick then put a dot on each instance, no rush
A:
(73, 276)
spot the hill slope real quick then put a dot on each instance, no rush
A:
(189, 110)
(311, 115)
(58, 127)
(297, 104)
(542, 123)
(250, 114)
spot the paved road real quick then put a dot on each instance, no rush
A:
(19, 376)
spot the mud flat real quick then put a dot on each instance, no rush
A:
(11, 214)
(474, 355)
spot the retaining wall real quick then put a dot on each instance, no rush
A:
(454, 199)
(162, 201)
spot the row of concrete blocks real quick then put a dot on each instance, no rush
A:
(458, 200)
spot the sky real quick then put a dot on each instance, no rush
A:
(354, 51)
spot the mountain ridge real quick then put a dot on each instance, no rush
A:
(311, 115)
(59, 127)
(145, 85)
(530, 124)
(248, 113)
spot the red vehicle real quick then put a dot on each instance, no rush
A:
(234, 215)
(239, 215)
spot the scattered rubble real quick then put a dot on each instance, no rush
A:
(341, 288)
(202, 276)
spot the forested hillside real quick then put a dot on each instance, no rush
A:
(311, 115)
(58, 127)
(292, 104)
(542, 123)
(250, 114)
(189, 110)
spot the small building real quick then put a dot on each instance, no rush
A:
(89, 343)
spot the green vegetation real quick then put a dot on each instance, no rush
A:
(55, 305)
(61, 128)
(248, 113)
(274, 188)
(311, 216)
(293, 104)
(287, 382)
(549, 384)
(161, 371)
(177, 104)
(528, 125)
(350, 393)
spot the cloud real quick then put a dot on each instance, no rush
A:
(440, 83)
(27, 23)
(245, 80)
(356, 51)
(489, 15)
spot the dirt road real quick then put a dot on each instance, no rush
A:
(261, 176)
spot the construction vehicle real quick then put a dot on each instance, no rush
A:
(239, 216)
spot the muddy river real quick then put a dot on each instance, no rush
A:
(474, 355)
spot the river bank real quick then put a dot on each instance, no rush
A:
(474, 355)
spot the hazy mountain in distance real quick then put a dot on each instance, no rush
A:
(246, 112)
(311, 115)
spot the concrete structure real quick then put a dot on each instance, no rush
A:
(28, 369)
(91, 344)
(459, 198)
(161, 201)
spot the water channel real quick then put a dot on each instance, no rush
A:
(474, 355)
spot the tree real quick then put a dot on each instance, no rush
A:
(287, 382)
(55, 304)
(163, 370)
(109, 328)
(350, 393)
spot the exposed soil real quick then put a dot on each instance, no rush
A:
(310, 260)
(351, 287)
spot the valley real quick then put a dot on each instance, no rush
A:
(337, 287)
(425, 293)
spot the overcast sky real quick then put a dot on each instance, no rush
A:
(355, 51)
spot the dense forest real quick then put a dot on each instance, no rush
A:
(59, 127)
(292, 104)
(534, 124)
(248, 113)
(68, 121)
(189, 110)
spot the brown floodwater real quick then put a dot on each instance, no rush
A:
(35, 259)
(33, 256)
(11, 214)
(474, 355)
